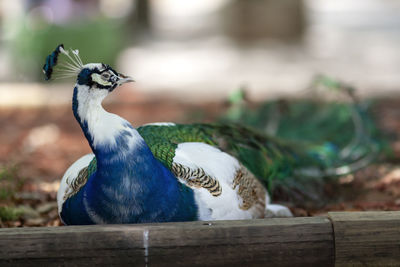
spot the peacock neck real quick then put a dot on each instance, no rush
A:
(128, 176)
(109, 135)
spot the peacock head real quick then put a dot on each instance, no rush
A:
(94, 77)
(101, 77)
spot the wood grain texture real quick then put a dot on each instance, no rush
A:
(366, 238)
(272, 242)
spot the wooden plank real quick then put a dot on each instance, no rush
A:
(273, 242)
(366, 238)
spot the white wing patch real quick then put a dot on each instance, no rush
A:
(70, 175)
(221, 166)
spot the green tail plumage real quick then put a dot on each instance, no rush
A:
(330, 138)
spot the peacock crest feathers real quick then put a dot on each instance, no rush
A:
(67, 67)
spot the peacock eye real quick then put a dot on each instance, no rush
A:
(105, 76)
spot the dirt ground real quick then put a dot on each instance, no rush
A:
(37, 145)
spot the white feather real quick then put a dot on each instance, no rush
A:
(275, 210)
(104, 126)
(221, 166)
(76, 62)
(160, 124)
(69, 176)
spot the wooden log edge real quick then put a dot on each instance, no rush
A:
(342, 239)
(368, 238)
(304, 241)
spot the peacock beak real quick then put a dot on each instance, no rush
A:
(124, 79)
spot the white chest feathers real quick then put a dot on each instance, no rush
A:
(224, 168)
(104, 127)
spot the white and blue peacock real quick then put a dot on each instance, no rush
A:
(168, 172)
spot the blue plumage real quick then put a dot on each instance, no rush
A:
(152, 194)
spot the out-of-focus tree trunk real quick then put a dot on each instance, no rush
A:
(143, 14)
(247, 20)
(139, 20)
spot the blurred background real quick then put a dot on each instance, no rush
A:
(187, 58)
(190, 48)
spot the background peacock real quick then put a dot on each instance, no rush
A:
(172, 172)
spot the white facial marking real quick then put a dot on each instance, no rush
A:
(100, 80)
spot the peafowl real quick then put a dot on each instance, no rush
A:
(166, 172)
